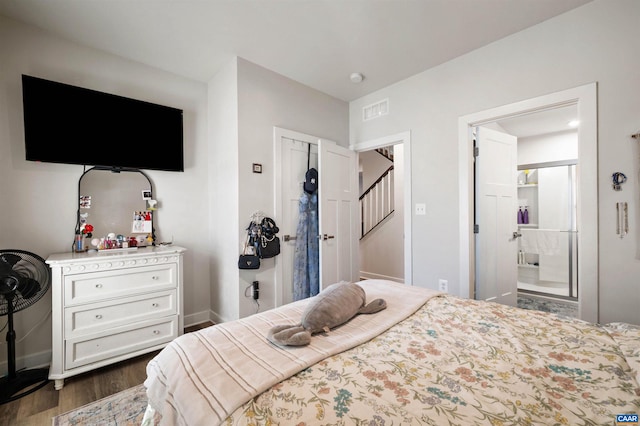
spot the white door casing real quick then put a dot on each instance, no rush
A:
(585, 97)
(496, 207)
(290, 162)
(403, 138)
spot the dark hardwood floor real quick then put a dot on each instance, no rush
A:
(39, 407)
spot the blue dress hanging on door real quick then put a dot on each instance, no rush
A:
(306, 273)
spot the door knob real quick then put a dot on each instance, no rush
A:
(516, 234)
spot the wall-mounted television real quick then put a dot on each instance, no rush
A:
(73, 125)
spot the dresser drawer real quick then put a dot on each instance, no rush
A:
(86, 350)
(98, 286)
(94, 317)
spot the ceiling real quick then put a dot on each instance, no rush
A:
(318, 43)
(552, 120)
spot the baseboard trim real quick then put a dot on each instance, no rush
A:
(197, 318)
(38, 360)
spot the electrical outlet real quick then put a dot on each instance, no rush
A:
(443, 285)
(421, 209)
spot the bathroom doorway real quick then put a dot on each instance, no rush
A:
(583, 98)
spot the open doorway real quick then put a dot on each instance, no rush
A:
(381, 206)
(547, 161)
(585, 101)
(547, 188)
(401, 143)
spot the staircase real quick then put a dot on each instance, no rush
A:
(387, 152)
(377, 202)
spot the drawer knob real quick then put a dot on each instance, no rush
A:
(155, 277)
(156, 332)
(98, 285)
(155, 305)
(98, 316)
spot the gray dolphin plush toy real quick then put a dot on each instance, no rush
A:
(334, 306)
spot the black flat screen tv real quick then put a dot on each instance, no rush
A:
(74, 125)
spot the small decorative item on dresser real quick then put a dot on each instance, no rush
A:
(78, 246)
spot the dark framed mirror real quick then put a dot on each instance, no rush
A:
(114, 205)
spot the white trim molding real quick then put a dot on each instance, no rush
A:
(585, 97)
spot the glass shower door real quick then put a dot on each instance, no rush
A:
(547, 261)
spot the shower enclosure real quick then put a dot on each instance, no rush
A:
(547, 212)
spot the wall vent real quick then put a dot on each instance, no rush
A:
(376, 110)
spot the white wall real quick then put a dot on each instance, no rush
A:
(597, 42)
(39, 200)
(223, 195)
(264, 99)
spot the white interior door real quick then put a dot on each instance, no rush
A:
(292, 152)
(496, 208)
(338, 213)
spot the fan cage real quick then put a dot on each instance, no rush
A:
(33, 274)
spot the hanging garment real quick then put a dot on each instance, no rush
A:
(306, 272)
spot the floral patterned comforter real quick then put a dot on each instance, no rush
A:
(465, 362)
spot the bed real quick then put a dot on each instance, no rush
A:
(428, 359)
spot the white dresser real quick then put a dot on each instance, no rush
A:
(113, 305)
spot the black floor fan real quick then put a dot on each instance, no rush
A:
(24, 279)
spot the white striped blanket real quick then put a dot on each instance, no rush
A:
(202, 377)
